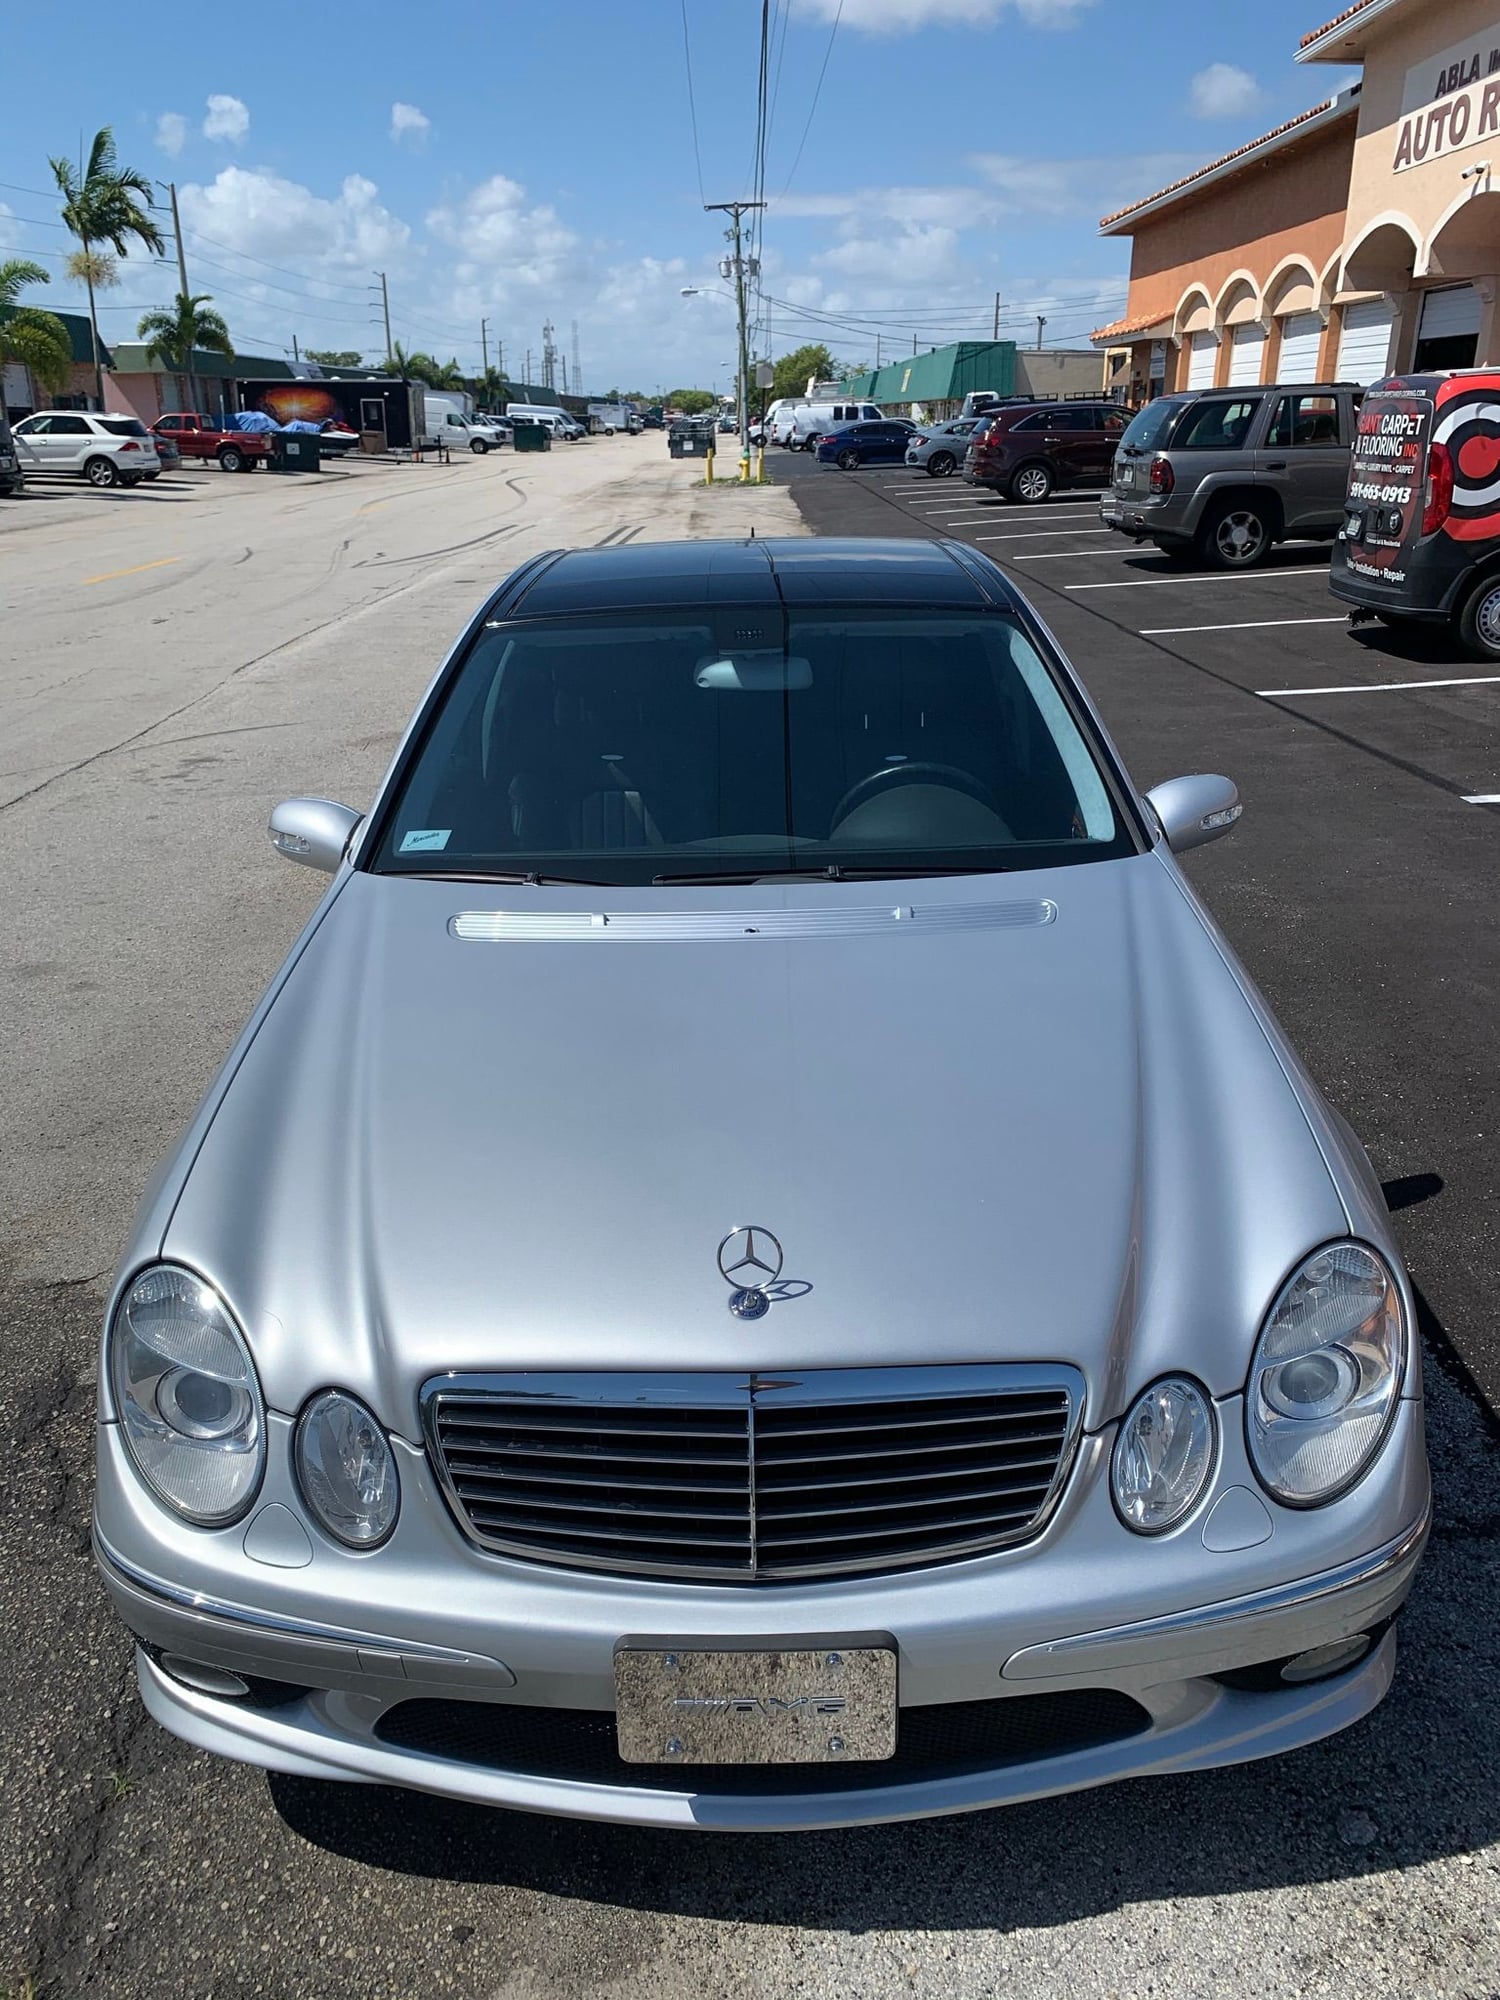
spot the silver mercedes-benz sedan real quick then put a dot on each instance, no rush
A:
(761, 1264)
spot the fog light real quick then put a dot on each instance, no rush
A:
(1321, 1661)
(207, 1680)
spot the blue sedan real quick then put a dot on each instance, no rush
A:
(868, 443)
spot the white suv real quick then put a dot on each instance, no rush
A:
(106, 450)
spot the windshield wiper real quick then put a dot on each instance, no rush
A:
(834, 872)
(529, 876)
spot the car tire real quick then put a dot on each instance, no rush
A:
(231, 459)
(1031, 484)
(479, 446)
(1479, 620)
(848, 459)
(941, 465)
(1236, 534)
(102, 472)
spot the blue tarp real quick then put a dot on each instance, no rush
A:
(255, 422)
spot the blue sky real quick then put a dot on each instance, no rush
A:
(517, 163)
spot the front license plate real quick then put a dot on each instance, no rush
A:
(817, 1706)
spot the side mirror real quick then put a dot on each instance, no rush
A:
(313, 831)
(1193, 810)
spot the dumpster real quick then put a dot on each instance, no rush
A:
(295, 451)
(690, 440)
(532, 437)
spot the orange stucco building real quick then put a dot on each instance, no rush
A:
(1360, 237)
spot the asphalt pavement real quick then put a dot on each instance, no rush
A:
(169, 669)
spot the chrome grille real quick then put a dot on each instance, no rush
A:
(748, 1478)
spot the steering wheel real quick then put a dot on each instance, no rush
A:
(890, 776)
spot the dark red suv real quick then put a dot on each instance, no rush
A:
(1027, 450)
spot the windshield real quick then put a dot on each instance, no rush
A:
(1148, 429)
(747, 743)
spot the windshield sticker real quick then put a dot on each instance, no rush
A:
(426, 840)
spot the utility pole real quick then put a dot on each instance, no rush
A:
(484, 343)
(577, 364)
(182, 286)
(564, 359)
(877, 350)
(734, 210)
(385, 309)
(527, 378)
(996, 334)
(1041, 321)
(296, 355)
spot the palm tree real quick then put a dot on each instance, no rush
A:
(449, 375)
(37, 340)
(170, 337)
(102, 204)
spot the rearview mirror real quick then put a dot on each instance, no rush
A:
(1193, 810)
(313, 831)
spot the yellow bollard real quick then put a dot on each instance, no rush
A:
(708, 468)
(760, 466)
(744, 468)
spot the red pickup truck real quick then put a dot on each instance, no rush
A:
(197, 436)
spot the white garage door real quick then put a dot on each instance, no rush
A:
(1449, 313)
(1365, 341)
(1301, 337)
(1246, 353)
(1202, 349)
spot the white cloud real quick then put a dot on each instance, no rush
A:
(171, 132)
(227, 119)
(1089, 186)
(504, 244)
(407, 122)
(1222, 91)
(896, 17)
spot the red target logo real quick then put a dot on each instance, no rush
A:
(1467, 421)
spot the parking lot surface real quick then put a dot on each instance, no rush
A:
(166, 673)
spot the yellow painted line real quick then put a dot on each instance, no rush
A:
(162, 562)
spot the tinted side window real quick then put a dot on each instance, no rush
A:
(34, 427)
(1073, 420)
(1218, 424)
(1040, 422)
(1304, 421)
(70, 427)
(122, 427)
(1113, 422)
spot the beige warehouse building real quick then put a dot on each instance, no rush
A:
(1360, 238)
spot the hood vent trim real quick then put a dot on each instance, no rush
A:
(698, 926)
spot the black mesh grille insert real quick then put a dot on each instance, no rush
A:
(945, 1740)
(755, 1479)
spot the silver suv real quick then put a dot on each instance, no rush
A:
(1227, 473)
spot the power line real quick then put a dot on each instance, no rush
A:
(812, 108)
(687, 56)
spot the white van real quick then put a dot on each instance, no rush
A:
(810, 420)
(557, 419)
(777, 421)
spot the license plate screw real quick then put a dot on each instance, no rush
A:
(670, 1662)
(835, 1744)
(674, 1746)
(834, 1660)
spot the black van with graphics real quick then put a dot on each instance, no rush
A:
(1420, 537)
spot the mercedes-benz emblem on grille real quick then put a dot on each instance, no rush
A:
(750, 1261)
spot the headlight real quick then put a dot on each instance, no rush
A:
(1163, 1455)
(189, 1406)
(1326, 1375)
(346, 1470)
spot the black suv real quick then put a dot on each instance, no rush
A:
(1227, 473)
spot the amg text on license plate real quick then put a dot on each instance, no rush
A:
(815, 1705)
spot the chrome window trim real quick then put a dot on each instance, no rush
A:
(740, 1388)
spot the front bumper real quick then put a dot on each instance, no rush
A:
(334, 1644)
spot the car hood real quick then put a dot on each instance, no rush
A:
(1030, 1118)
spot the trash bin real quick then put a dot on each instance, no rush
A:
(295, 451)
(689, 441)
(532, 437)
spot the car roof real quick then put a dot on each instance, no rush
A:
(913, 572)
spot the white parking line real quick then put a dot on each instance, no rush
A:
(1250, 625)
(1046, 534)
(1385, 687)
(1214, 576)
(1093, 555)
(1482, 798)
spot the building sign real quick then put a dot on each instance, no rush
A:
(1450, 101)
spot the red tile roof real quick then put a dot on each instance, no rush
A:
(1118, 327)
(1337, 22)
(1224, 160)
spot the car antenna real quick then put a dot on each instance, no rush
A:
(752, 531)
